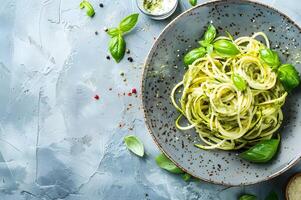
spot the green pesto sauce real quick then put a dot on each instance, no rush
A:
(151, 5)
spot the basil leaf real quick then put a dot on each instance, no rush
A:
(117, 47)
(210, 34)
(193, 55)
(209, 48)
(229, 35)
(113, 32)
(269, 57)
(134, 144)
(88, 6)
(225, 48)
(262, 152)
(163, 162)
(204, 43)
(193, 2)
(272, 196)
(128, 22)
(186, 177)
(239, 82)
(288, 76)
(247, 197)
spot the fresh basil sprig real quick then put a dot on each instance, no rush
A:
(193, 2)
(117, 43)
(288, 76)
(193, 55)
(206, 46)
(117, 47)
(134, 144)
(262, 152)
(239, 82)
(272, 196)
(88, 6)
(270, 57)
(225, 48)
(247, 197)
(163, 162)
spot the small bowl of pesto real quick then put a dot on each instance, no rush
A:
(157, 9)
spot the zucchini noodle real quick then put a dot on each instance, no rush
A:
(223, 116)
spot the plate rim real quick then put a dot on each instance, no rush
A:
(288, 166)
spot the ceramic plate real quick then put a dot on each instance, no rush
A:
(164, 68)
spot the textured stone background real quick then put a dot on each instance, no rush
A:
(56, 140)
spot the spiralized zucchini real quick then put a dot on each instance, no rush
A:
(223, 116)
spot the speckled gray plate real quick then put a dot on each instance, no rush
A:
(164, 69)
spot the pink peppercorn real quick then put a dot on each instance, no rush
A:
(134, 91)
(96, 97)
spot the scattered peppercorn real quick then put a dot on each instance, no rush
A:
(121, 73)
(96, 33)
(105, 29)
(108, 57)
(127, 51)
(101, 5)
(96, 97)
(130, 59)
(134, 91)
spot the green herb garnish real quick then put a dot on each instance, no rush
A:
(225, 48)
(117, 43)
(270, 58)
(163, 162)
(88, 6)
(206, 46)
(288, 76)
(262, 152)
(114, 32)
(239, 82)
(210, 34)
(128, 23)
(117, 47)
(134, 144)
(193, 2)
(193, 55)
(247, 197)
